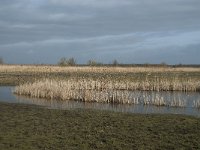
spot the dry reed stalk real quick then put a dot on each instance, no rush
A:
(94, 91)
(177, 102)
(158, 101)
(196, 104)
(90, 84)
(88, 69)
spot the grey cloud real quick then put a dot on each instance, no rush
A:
(123, 29)
(92, 3)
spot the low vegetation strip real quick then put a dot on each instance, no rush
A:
(31, 127)
(19, 74)
(91, 69)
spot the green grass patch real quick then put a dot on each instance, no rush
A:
(33, 127)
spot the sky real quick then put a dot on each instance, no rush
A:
(131, 31)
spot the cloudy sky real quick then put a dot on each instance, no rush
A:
(131, 31)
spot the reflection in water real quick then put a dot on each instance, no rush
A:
(189, 102)
(139, 108)
(162, 98)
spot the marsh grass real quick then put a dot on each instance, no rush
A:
(102, 69)
(31, 127)
(103, 91)
(99, 84)
(16, 74)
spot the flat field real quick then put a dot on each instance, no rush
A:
(32, 127)
(19, 74)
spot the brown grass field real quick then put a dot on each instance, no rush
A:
(89, 69)
(100, 84)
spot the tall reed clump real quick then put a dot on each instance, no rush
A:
(89, 90)
(72, 90)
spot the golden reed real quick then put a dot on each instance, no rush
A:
(89, 90)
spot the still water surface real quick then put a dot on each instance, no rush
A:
(6, 95)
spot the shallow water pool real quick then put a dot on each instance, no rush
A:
(189, 99)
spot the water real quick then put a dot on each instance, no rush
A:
(189, 100)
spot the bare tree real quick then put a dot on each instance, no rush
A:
(92, 62)
(115, 62)
(62, 62)
(67, 62)
(71, 62)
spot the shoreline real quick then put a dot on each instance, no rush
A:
(33, 127)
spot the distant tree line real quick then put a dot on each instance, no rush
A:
(67, 61)
(72, 62)
(92, 62)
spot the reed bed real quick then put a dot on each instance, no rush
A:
(157, 84)
(88, 90)
(89, 69)
(20, 74)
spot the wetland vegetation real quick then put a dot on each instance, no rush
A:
(34, 127)
(104, 91)
(101, 84)
(19, 74)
